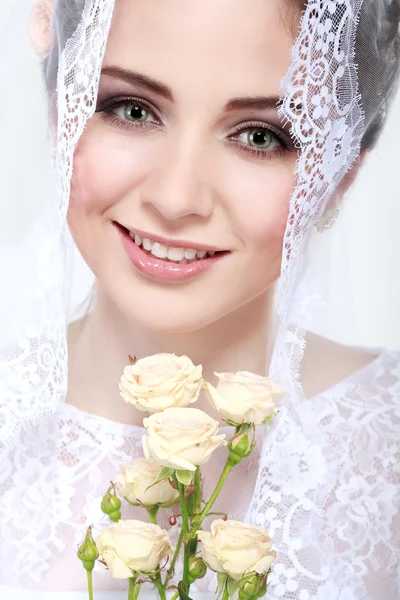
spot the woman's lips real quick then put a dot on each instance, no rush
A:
(164, 270)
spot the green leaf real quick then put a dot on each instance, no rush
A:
(164, 474)
(184, 477)
(269, 419)
(221, 579)
(232, 423)
(263, 591)
(182, 592)
(232, 587)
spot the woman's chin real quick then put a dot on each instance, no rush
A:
(164, 315)
(167, 322)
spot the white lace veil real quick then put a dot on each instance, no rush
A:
(321, 100)
(33, 359)
(335, 96)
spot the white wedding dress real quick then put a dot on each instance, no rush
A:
(326, 480)
(52, 480)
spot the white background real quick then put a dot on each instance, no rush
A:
(366, 253)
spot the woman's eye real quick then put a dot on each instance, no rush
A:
(260, 138)
(133, 112)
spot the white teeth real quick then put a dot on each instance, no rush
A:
(176, 254)
(190, 254)
(147, 244)
(159, 250)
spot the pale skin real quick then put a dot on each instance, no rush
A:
(190, 171)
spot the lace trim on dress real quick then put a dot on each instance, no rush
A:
(52, 479)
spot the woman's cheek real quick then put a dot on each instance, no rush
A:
(264, 224)
(262, 206)
(102, 173)
(99, 181)
(269, 240)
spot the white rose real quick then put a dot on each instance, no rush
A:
(236, 549)
(133, 547)
(181, 438)
(39, 27)
(161, 381)
(135, 479)
(244, 397)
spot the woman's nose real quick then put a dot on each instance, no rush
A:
(179, 183)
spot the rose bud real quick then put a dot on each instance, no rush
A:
(241, 445)
(87, 551)
(197, 568)
(251, 585)
(111, 505)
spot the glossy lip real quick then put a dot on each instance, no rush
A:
(173, 243)
(162, 270)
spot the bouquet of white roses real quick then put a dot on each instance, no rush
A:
(178, 440)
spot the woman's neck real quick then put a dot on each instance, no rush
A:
(100, 345)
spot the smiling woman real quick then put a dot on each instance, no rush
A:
(177, 150)
(202, 151)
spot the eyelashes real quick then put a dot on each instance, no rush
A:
(136, 114)
(109, 108)
(256, 130)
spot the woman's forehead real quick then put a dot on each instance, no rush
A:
(242, 43)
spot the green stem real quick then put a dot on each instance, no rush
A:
(131, 591)
(153, 514)
(161, 590)
(160, 587)
(170, 571)
(175, 596)
(185, 528)
(227, 469)
(90, 584)
(136, 592)
(226, 593)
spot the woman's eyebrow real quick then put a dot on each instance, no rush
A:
(257, 103)
(135, 78)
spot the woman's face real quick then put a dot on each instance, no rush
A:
(187, 151)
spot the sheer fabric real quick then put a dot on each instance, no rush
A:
(325, 482)
(53, 478)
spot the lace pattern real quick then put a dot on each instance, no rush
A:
(326, 486)
(33, 371)
(331, 500)
(52, 481)
(328, 125)
(52, 485)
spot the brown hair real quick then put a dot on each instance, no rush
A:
(377, 52)
(377, 56)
